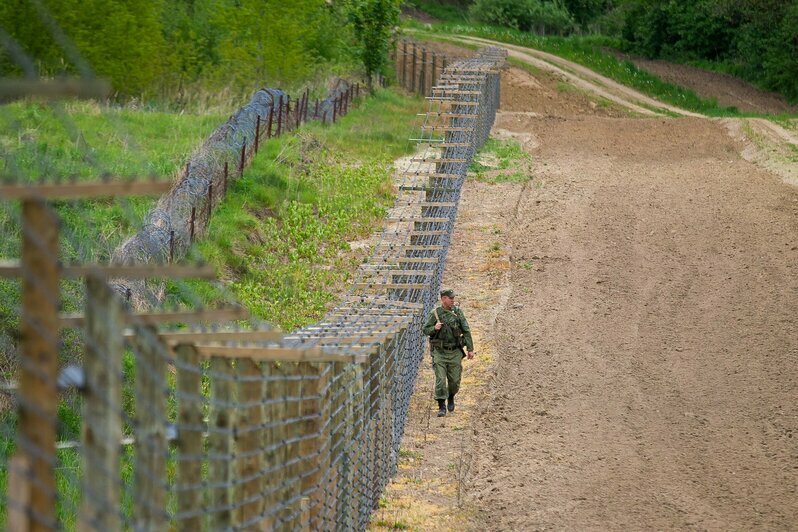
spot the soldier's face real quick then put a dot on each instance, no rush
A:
(448, 302)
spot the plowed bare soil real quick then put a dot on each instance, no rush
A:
(636, 310)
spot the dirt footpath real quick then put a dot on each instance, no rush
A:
(636, 306)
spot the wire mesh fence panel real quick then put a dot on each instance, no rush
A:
(182, 417)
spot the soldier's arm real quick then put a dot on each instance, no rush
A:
(429, 326)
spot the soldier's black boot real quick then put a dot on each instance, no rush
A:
(441, 408)
(450, 405)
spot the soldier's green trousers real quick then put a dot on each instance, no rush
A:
(448, 366)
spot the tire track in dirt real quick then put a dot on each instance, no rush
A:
(586, 79)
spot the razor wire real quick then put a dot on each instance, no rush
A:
(231, 442)
(183, 214)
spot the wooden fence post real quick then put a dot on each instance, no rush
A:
(290, 452)
(338, 439)
(404, 64)
(413, 71)
(151, 449)
(280, 115)
(423, 81)
(271, 118)
(249, 462)
(335, 109)
(316, 409)
(274, 410)
(38, 367)
(243, 160)
(220, 444)
(189, 438)
(210, 201)
(102, 406)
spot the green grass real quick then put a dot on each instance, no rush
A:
(280, 236)
(591, 51)
(85, 141)
(507, 157)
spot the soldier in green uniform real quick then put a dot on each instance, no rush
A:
(448, 333)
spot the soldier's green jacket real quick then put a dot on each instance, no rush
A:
(454, 325)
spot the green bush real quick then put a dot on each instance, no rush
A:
(525, 15)
(177, 48)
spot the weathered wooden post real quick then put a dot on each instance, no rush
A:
(243, 161)
(274, 410)
(280, 115)
(220, 444)
(151, 448)
(38, 371)
(189, 437)
(316, 449)
(404, 64)
(102, 406)
(423, 82)
(249, 462)
(413, 70)
(271, 118)
(291, 452)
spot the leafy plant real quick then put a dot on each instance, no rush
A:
(374, 22)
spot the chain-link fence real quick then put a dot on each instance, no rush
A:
(189, 421)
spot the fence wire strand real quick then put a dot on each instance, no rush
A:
(176, 432)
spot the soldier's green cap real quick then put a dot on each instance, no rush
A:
(448, 292)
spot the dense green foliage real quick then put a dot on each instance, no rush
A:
(175, 48)
(374, 23)
(525, 15)
(754, 39)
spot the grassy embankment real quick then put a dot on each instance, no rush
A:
(278, 239)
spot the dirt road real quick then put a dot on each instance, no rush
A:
(637, 310)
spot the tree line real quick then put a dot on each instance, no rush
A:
(753, 39)
(165, 47)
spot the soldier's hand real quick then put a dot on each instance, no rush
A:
(438, 326)
(471, 354)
